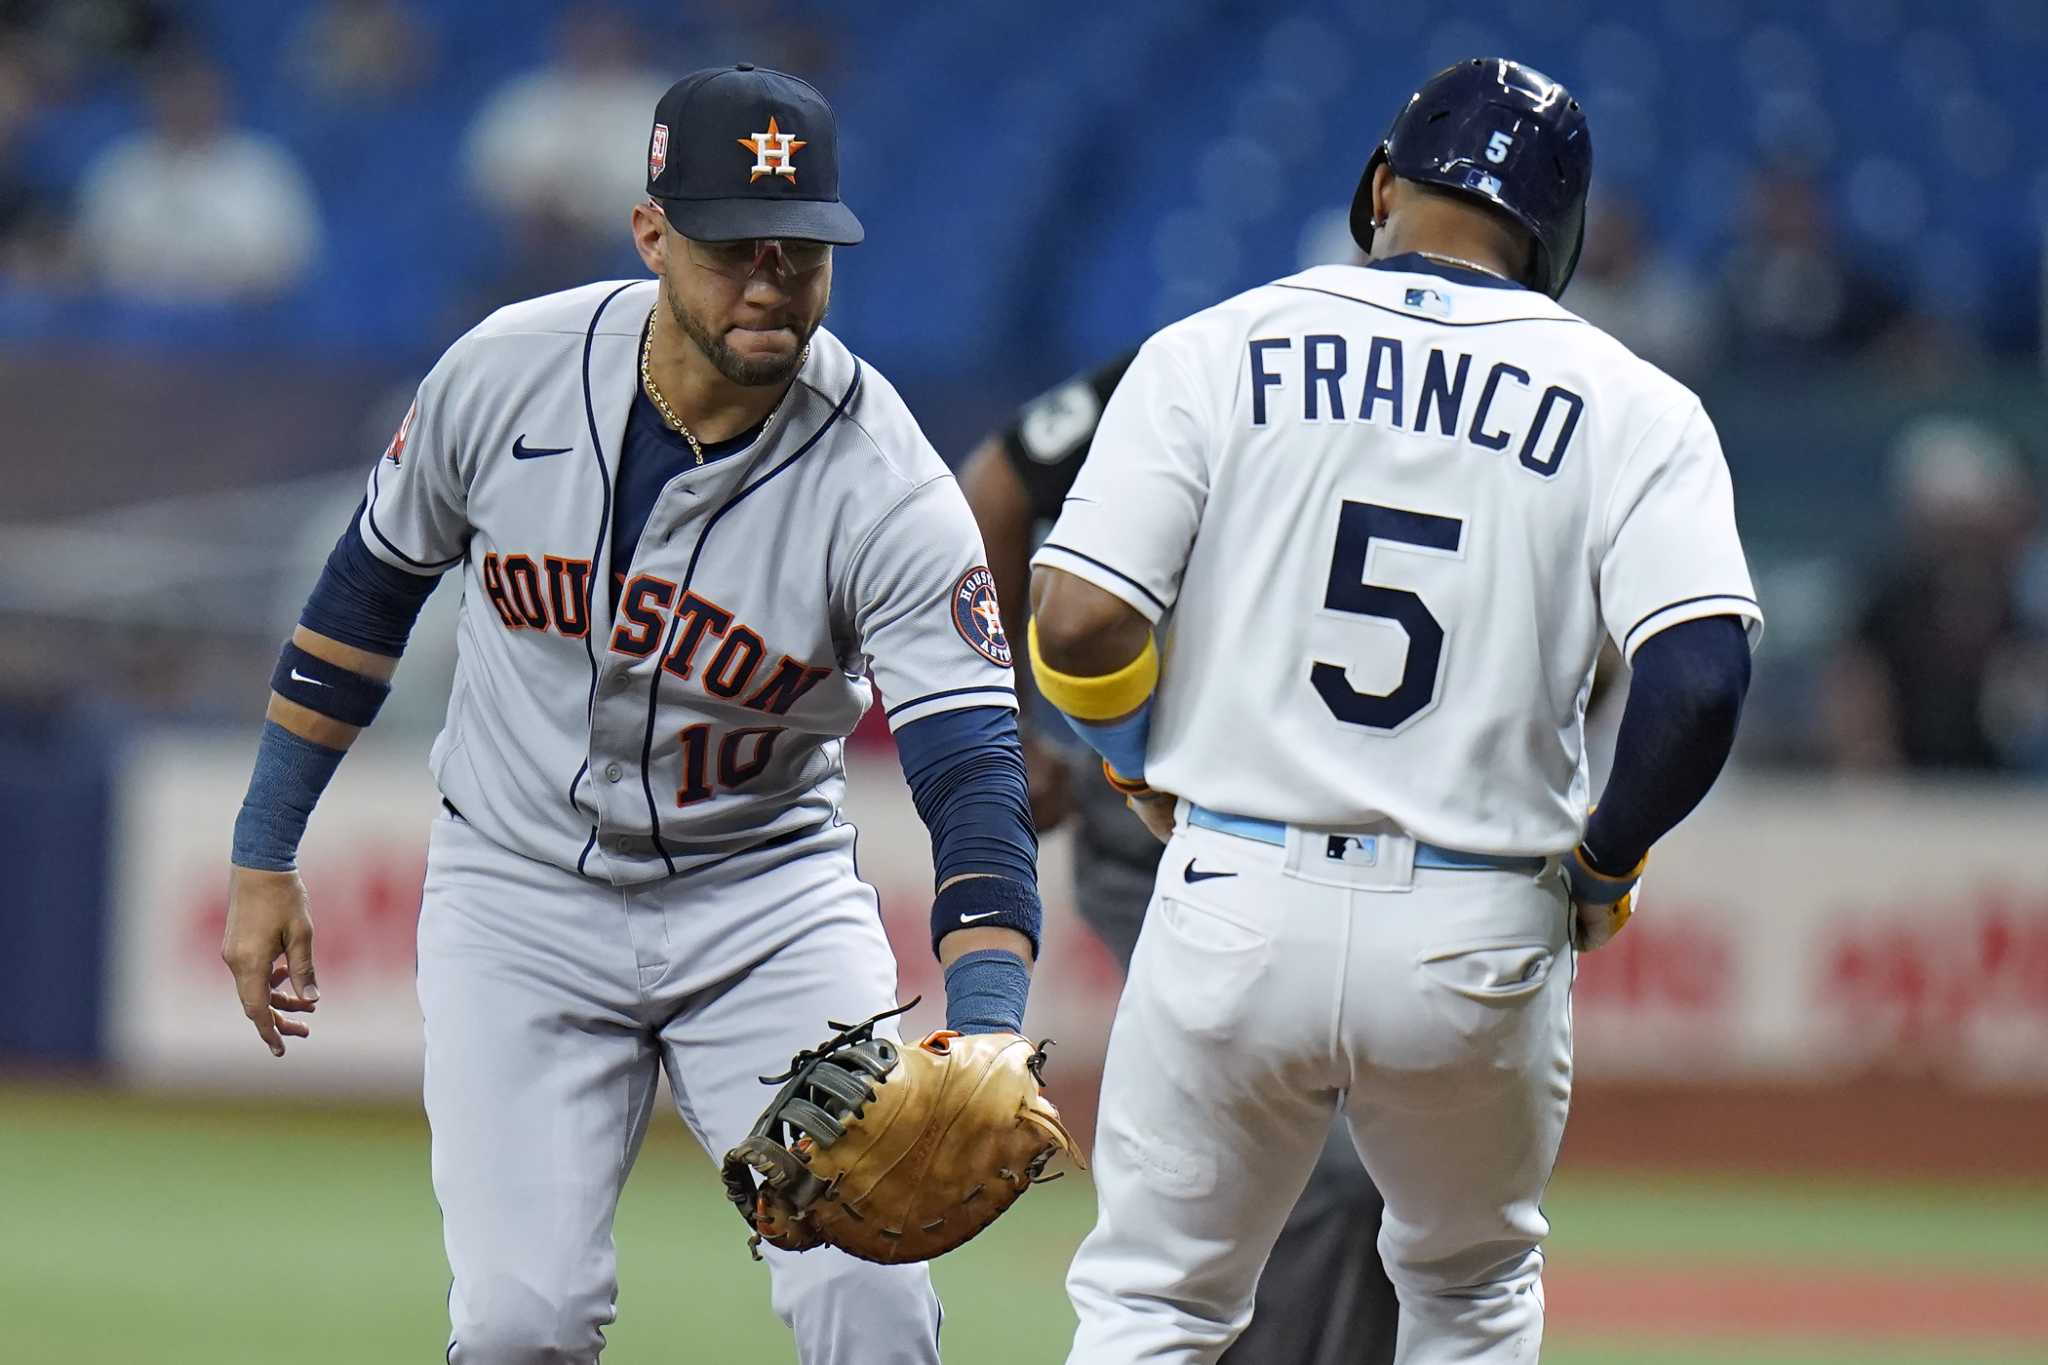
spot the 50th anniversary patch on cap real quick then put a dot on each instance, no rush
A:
(978, 618)
(657, 151)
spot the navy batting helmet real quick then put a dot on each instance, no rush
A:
(1503, 133)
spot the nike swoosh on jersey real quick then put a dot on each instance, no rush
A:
(984, 914)
(522, 451)
(1191, 876)
(300, 677)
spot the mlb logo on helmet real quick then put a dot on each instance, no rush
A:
(714, 191)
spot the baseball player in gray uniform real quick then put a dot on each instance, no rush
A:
(1325, 1298)
(690, 526)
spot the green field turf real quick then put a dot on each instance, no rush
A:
(174, 1235)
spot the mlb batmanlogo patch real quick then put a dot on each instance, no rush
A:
(978, 618)
(1428, 301)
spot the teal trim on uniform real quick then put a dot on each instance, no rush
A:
(1427, 855)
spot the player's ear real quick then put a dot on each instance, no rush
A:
(1384, 190)
(650, 237)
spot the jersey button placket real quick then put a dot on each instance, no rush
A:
(613, 772)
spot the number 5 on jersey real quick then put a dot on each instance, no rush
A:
(1359, 524)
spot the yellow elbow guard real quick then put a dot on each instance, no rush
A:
(1108, 697)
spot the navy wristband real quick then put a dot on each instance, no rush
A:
(327, 688)
(986, 991)
(291, 772)
(987, 903)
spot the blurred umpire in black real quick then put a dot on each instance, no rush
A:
(1324, 1298)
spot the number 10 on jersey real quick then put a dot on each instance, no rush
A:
(743, 755)
(1359, 524)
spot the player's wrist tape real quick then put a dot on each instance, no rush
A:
(290, 774)
(327, 688)
(987, 903)
(1591, 886)
(986, 991)
(1112, 696)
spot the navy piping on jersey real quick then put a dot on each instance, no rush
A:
(370, 513)
(1682, 602)
(949, 692)
(839, 819)
(1416, 263)
(1440, 322)
(604, 526)
(689, 574)
(1150, 596)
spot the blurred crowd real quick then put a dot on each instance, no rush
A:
(1930, 651)
(196, 205)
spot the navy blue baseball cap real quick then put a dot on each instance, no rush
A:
(742, 151)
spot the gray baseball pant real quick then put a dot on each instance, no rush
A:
(550, 1000)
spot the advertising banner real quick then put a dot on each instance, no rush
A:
(174, 1019)
(1786, 933)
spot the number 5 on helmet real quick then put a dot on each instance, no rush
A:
(1601, 903)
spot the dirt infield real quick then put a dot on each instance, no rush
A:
(1880, 1125)
(1723, 1302)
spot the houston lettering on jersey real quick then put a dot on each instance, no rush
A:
(1446, 397)
(555, 595)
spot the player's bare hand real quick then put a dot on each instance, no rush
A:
(268, 946)
(1052, 796)
(1156, 810)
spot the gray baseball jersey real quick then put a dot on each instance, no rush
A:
(704, 713)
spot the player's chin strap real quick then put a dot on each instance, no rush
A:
(824, 1086)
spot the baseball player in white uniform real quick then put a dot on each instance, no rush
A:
(689, 525)
(1327, 597)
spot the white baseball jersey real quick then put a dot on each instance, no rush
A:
(1386, 518)
(704, 714)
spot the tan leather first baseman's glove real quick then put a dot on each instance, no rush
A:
(896, 1152)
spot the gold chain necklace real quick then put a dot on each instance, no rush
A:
(1442, 259)
(668, 414)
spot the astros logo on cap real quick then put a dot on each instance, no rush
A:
(774, 152)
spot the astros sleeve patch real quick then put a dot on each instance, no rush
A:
(925, 607)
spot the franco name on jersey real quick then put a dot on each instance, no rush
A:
(1412, 387)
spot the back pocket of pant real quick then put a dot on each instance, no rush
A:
(1484, 989)
(1206, 965)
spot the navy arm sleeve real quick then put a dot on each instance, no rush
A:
(362, 601)
(966, 774)
(1685, 698)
